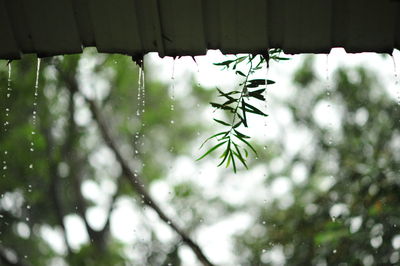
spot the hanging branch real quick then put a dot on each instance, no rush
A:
(132, 176)
(238, 105)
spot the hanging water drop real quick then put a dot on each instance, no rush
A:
(7, 111)
(35, 94)
(172, 98)
(142, 88)
(140, 107)
(33, 132)
(172, 92)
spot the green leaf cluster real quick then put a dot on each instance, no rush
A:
(237, 105)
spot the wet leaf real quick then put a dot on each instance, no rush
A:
(213, 136)
(222, 122)
(211, 150)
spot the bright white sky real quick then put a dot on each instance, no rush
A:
(128, 221)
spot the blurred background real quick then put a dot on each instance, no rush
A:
(323, 190)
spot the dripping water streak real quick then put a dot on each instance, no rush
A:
(6, 122)
(172, 93)
(142, 88)
(172, 96)
(8, 94)
(34, 112)
(33, 133)
(143, 103)
(138, 111)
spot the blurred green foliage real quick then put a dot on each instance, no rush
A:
(66, 144)
(343, 211)
(346, 210)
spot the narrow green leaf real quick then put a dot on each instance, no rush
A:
(240, 59)
(248, 144)
(246, 153)
(225, 154)
(240, 73)
(233, 162)
(228, 102)
(258, 82)
(237, 124)
(220, 106)
(250, 108)
(224, 63)
(239, 155)
(213, 136)
(227, 93)
(229, 160)
(244, 113)
(222, 122)
(211, 150)
(258, 94)
(240, 135)
(242, 120)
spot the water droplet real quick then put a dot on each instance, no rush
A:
(264, 222)
(172, 121)
(334, 251)
(168, 222)
(264, 250)
(31, 166)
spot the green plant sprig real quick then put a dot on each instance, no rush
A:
(237, 104)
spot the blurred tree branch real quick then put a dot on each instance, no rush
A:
(54, 186)
(132, 176)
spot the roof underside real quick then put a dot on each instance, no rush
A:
(191, 27)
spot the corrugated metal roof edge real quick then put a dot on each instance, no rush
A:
(175, 27)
